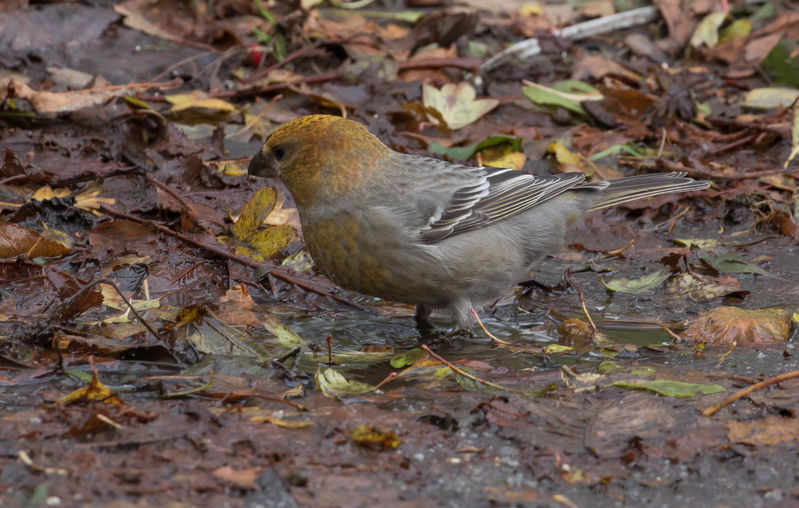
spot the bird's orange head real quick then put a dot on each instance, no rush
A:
(318, 156)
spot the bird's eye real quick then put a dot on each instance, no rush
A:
(279, 153)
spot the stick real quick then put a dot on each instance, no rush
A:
(466, 374)
(710, 411)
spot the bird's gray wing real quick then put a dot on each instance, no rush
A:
(484, 196)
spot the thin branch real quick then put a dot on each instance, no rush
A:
(749, 389)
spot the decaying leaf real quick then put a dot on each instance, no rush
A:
(640, 286)
(767, 431)
(725, 325)
(332, 384)
(368, 436)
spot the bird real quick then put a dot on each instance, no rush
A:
(423, 231)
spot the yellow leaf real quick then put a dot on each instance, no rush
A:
(563, 154)
(269, 241)
(366, 435)
(95, 390)
(254, 213)
(47, 192)
(197, 99)
(502, 156)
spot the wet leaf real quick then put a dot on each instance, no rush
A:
(207, 334)
(670, 388)
(730, 263)
(285, 337)
(557, 348)
(608, 367)
(408, 358)
(254, 213)
(299, 261)
(767, 431)
(112, 299)
(368, 436)
(725, 325)
(271, 240)
(640, 286)
(16, 240)
(241, 478)
(332, 384)
(94, 391)
(701, 289)
(457, 104)
(90, 200)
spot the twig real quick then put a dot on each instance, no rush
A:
(466, 374)
(710, 411)
(305, 51)
(388, 378)
(490, 335)
(585, 310)
(671, 333)
(424, 63)
(172, 192)
(725, 355)
(127, 302)
(697, 173)
(280, 272)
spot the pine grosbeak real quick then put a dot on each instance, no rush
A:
(424, 231)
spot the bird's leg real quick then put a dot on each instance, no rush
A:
(461, 311)
(422, 318)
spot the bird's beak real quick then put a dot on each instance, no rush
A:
(259, 166)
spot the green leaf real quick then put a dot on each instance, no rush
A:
(408, 358)
(264, 12)
(463, 153)
(738, 29)
(779, 65)
(565, 94)
(642, 285)
(730, 263)
(670, 388)
(614, 149)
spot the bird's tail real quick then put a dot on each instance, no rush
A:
(630, 188)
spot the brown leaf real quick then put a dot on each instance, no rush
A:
(725, 325)
(768, 431)
(242, 478)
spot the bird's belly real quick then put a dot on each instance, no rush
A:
(371, 263)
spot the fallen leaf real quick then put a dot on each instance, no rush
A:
(670, 388)
(767, 431)
(457, 104)
(640, 286)
(725, 325)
